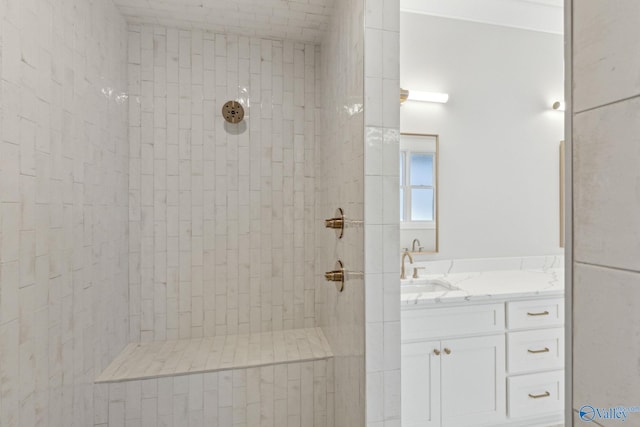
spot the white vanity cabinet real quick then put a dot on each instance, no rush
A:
(453, 381)
(535, 358)
(457, 382)
(483, 364)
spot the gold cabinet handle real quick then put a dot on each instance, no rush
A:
(544, 313)
(447, 350)
(538, 396)
(436, 352)
(545, 350)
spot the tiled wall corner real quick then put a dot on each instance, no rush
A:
(381, 215)
(288, 395)
(340, 183)
(606, 205)
(63, 206)
(222, 216)
(301, 20)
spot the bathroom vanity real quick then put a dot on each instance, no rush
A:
(483, 349)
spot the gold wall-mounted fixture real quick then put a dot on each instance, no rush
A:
(233, 112)
(337, 223)
(338, 275)
(404, 95)
(414, 95)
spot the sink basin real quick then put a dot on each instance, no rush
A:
(422, 286)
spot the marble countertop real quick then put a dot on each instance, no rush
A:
(485, 286)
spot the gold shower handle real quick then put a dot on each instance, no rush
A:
(336, 223)
(337, 276)
(334, 276)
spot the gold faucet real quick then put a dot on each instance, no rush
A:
(405, 254)
(413, 245)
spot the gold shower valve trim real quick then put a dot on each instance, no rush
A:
(337, 223)
(404, 95)
(338, 276)
(334, 276)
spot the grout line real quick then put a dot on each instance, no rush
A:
(618, 101)
(608, 267)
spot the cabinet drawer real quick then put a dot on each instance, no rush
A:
(535, 350)
(439, 322)
(535, 314)
(535, 394)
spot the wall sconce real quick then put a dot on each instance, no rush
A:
(558, 106)
(406, 95)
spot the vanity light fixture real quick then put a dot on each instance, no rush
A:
(413, 95)
(558, 106)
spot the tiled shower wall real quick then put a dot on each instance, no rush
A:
(63, 206)
(382, 211)
(606, 207)
(340, 183)
(221, 216)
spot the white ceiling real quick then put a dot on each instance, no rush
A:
(303, 20)
(538, 15)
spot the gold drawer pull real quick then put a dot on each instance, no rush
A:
(545, 350)
(538, 396)
(544, 313)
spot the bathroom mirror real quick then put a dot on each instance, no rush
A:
(418, 172)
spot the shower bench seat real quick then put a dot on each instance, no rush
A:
(221, 353)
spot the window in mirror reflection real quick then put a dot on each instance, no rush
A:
(417, 192)
(421, 169)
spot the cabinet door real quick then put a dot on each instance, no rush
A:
(421, 384)
(473, 381)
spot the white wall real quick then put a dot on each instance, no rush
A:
(499, 138)
(63, 207)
